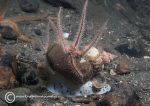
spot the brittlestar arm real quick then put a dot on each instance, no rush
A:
(81, 28)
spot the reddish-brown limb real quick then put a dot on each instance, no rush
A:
(21, 18)
(96, 37)
(52, 24)
(12, 23)
(15, 29)
(60, 38)
(59, 27)
(47, 38)
(29, 18)
(75, 66)
(2, 15)
(46, 42)
(1, 18)
(81, 26)
(24, 39)
(3, 12)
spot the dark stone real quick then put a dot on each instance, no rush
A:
(29, 5)
(6, 60)
(37, 48)
(38, 32)
(30, 78)
(132, 49)
(7, 33)
(62, 3)
(22, 69)
(123, 95)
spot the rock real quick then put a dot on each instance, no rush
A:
(66, 35)
(37, 45)
(38, 32)
(92, 54)
(77, 5)
(123, 67)
(26, 73)
(37, 48)
(30, 78)
(58, 3)
(29, 6)
(58, 104)
(7, 33)
(121, 96)
(146, 57)
(132, 49)
(112, 72)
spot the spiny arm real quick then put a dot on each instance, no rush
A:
(81, 26)
(29, 18)
(59, 30)
(96, 37)
(15, 29)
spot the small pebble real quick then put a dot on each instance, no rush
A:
(66, 35)
(25, 45)
(85, 96)
(83, 60)
(61, 3)
(146, 57)
(67, 16)
(7, 33)
(37, 47)
(59, 104)
(30, 78)
(112, 72)
(120, 82)
(123, 67)
(38, 32)
(123, 95)
(29, 6)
